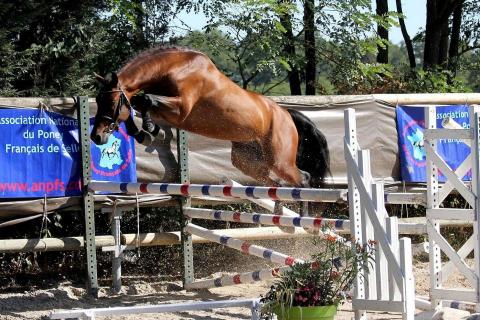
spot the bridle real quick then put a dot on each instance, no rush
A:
(123, 100)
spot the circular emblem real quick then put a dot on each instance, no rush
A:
(109, 161)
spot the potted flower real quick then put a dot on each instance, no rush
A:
(314, 289)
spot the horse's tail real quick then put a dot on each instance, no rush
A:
(312, 153)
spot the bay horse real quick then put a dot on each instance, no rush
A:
(275, 146)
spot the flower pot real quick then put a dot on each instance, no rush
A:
(306, 313)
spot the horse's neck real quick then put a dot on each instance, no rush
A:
(136, 77)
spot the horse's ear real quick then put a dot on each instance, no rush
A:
(100, 79)
(113, 79)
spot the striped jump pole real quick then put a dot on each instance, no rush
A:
(242, 246)
(264, 203)
(239, 278)
(323, 226)
(222, 191)
(268, 219)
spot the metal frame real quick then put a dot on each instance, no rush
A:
(117, 249)
(184, 202)
(88, 201)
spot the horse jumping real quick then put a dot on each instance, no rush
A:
(273, 145)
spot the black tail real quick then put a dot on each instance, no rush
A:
(312, 153)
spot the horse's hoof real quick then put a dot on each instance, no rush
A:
(148, 140)
(143, 138)
(161, 135)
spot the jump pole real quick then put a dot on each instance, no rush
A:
(267, 204)
(242, 246)
(90, 314)
(321, 226)
(223, 191)
(340, 226)
(268, 219)
(239, 278)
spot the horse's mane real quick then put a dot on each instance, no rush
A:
(151, 52)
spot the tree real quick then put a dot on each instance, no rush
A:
(406, 36)
(51, 43)
(256, 34)
(309, 46)
(437, 32)
(289, 52)
(382, 31)
(453, 50)
(350, 48)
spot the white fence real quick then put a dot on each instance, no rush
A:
(389, 284)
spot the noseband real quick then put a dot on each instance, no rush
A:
(123, 100)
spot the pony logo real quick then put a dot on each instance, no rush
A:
(115, 160)
(412, 144)
(110, 153)
(416, 139)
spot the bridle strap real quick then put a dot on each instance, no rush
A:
(123, 100)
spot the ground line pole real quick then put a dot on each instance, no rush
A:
(187, 245)
(88, 201)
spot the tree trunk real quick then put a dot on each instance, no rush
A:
(433, 35)
(455, 39)
(443, 48)
(309, 45)
(406, 36)
(437, 32)
(382, 11)
(289, 50)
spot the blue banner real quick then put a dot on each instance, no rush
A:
(40, 155)
(410, 128)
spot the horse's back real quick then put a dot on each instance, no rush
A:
(216, 106)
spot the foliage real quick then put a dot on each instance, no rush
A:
(51, 43)
(348, 48)
(322, 281)
(212, 44)
(52, 48)
(254, 36)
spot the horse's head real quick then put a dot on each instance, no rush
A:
(113, 107)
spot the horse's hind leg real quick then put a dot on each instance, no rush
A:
(304, 205)
(301, 178)
(281, 149)
(248, 157)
